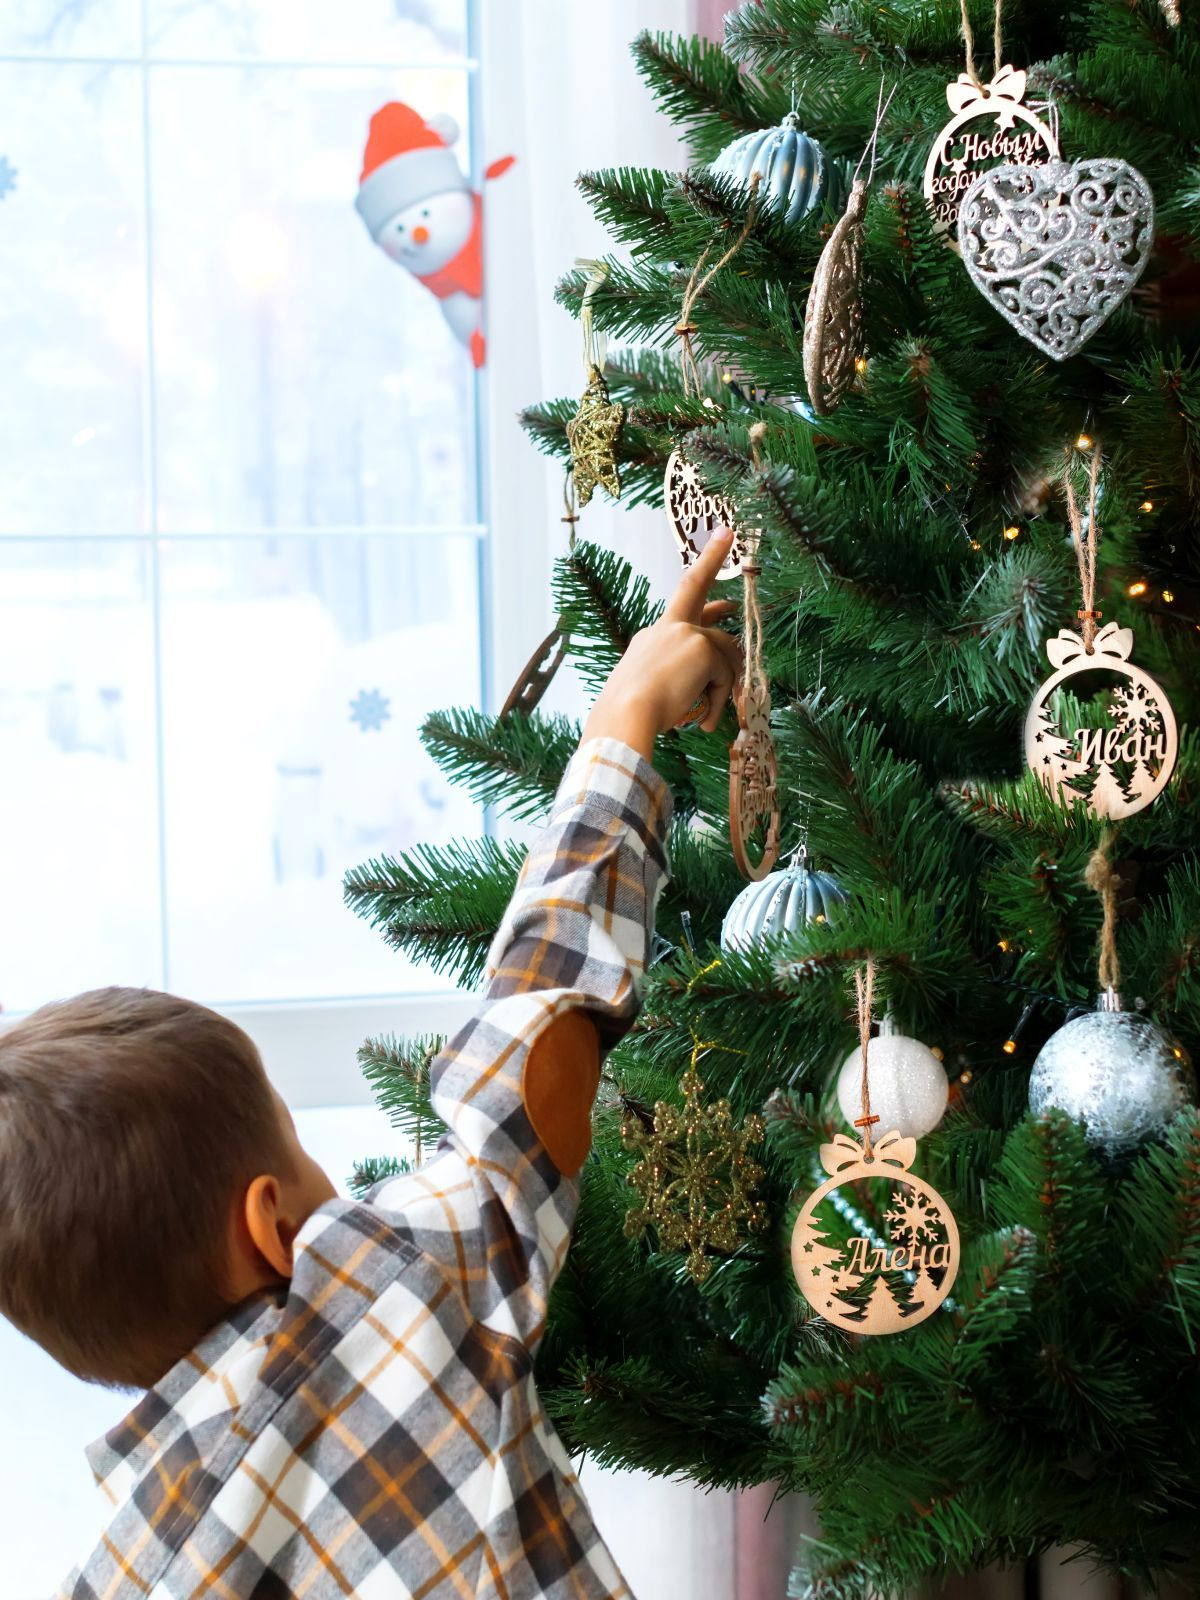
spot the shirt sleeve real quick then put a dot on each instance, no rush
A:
(516, 1085)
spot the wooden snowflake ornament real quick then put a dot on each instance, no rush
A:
(695, 1179)
(863, 1280)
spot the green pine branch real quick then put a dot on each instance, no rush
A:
(703, 92)
(440, 904)
(398, 1072)
(515, 763)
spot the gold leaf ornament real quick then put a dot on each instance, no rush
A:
(833, 317)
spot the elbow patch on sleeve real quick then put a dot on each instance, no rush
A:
(559, 1083)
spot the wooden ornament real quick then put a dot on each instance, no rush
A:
(536, 676)
(961, 152)
(694, 514)
(864, 1284)
(753, 767)
(1121, 766)
(833, 331)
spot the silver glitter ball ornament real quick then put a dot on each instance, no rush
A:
(795, 174)
(779, 904)
(1117, 1074)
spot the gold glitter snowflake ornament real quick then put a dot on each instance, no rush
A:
(695, 1179)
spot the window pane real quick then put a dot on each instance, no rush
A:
(271, 650)
(338, 1137)
(84, 27)
(311, 30)
(303, 378)
(72, 300)
(78, 838)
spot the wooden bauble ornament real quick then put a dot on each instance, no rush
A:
(695, 514)
(537, 674)
(860, 1285)
(1119, 768)
(793, 171)
(833, 331)
(960, 152)
(1055, 248)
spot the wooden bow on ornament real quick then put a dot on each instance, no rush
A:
(893, 1150)
(1008, 84)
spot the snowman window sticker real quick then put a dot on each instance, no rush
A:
(420, 209)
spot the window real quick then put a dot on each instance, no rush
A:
(240, 524)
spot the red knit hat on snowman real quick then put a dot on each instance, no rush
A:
(408, 159)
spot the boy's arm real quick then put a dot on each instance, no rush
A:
(517, 1083)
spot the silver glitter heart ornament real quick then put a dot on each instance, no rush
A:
(1057, 247)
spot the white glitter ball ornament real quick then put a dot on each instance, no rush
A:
(1116, 1073)
(908, 1084)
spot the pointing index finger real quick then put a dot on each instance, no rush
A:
(687, 603)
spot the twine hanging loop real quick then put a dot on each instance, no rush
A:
(1102, 877)
(1085, 542)
(864, 993)
(697, 283)
(969, 41)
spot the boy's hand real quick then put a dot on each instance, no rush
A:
(669, 667)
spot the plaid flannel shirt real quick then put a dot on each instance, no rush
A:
(379, 1434)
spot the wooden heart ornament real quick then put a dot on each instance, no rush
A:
(1057, 247)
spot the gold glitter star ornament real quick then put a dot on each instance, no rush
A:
(592, 434)
(696, 1178)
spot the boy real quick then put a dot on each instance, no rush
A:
(348, 1406)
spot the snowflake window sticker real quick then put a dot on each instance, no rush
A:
(370, 710)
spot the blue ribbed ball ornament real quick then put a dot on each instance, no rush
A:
(796, 174)
(779, 904)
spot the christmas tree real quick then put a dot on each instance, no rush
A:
(915, 558)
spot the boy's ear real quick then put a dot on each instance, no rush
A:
(270, 1231)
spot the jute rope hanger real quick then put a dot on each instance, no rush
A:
(969, 41)
(1085, 543)
(1102, 876)
(864, 990)
(696, 285)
